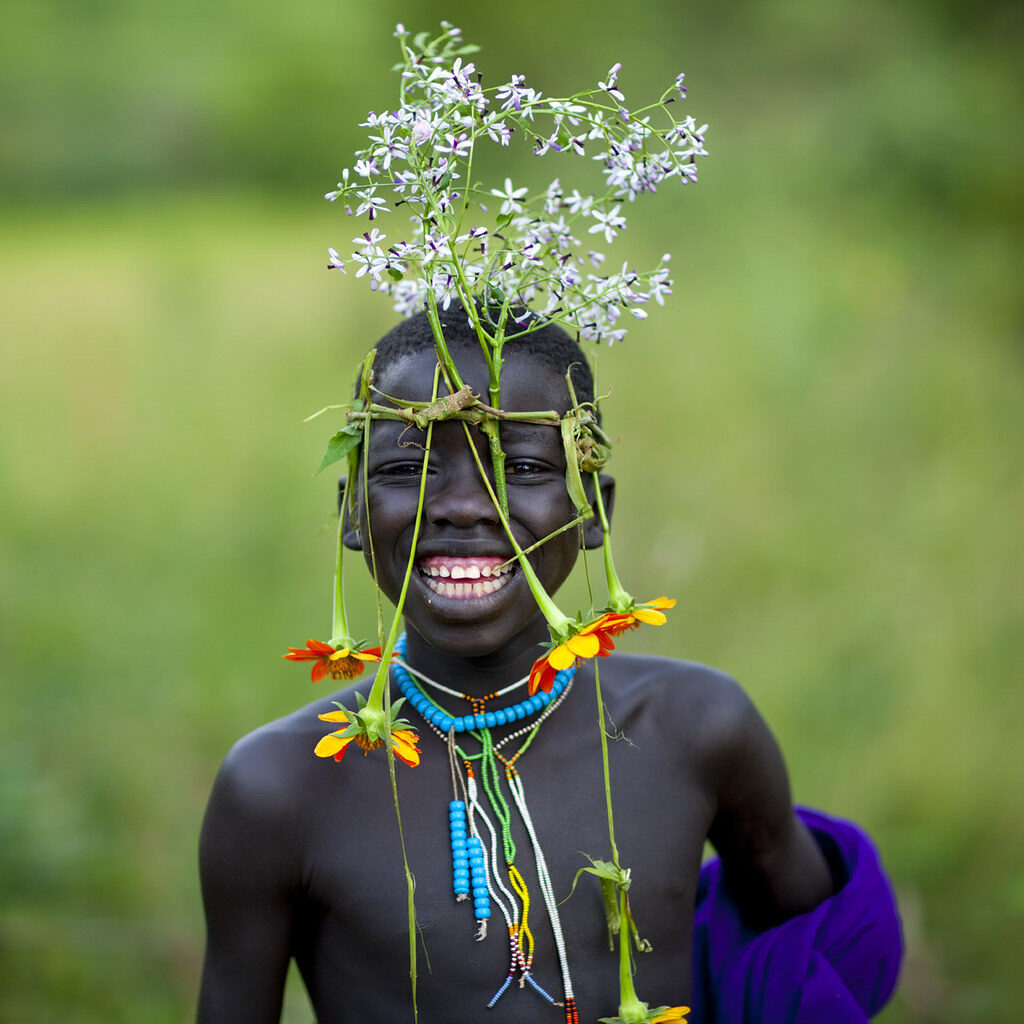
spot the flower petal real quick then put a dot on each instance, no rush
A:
(664, 602)
(319, 670)
(334, 716)
(404, 746)
(674, 1013)
(583, 645)
(319, 647)
(650, 616)
(542, 677)
(341, 652)
(560, 657)
(331, 746)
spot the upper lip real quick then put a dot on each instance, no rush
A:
(462, 549)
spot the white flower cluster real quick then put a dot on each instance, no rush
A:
(528, 254)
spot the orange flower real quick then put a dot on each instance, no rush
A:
(649, 612)
(336, 662)
(593, 640)
(335, 744)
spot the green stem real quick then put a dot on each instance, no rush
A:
(439, 343)
(560, 623)
(619, 599)
(607, 772)
(375, 700)
(631, 1010)
(339, 625)
(578, 521)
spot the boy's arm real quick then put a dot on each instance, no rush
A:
(771, 864)
(245, 861)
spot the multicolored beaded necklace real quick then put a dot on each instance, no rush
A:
(476, 869)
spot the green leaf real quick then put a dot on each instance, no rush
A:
(343, 442)
(395, 274)
(503, 221)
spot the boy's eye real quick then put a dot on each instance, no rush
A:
(399, 469)
(525, 467)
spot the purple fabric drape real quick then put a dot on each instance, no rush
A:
(836, 964)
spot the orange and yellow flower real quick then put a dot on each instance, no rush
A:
(403, 741)
(650, 612)
(671, 1014)
(593, 640)
(659, 1015)
(336, 662)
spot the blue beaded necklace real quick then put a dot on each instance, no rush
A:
(473, 878)
(439, 718)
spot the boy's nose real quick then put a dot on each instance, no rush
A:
(457, 496)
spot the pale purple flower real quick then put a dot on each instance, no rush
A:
(499, 132)
(608, 221)
(511, 197)
(337, 263)
(370, 202)
(609, 86)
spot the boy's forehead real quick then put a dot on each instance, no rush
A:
(527, 382)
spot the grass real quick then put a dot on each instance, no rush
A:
(823, 468)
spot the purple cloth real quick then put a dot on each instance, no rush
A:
(836, 964)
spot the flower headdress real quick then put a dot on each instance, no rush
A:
(514, 259)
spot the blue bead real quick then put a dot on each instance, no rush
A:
(536, 703)
(481, 901)
(520, 712)
(490, 720)
(479, 721)
(480, 892)
(482, 913)
(445, 723)
(500, 717)
(459, 832)
(457, 805)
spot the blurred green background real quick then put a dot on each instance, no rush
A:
(820, 436)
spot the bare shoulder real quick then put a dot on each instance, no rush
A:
(270, 775)
(701, 712)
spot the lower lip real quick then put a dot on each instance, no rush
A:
(466, 590)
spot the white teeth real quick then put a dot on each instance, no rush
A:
(464, 590)
(486, 571)
(444, 571)
(458, 572)
(472, 572)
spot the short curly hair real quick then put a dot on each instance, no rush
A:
(549, 344)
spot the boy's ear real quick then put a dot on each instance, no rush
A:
(350, 534)
(593, 535)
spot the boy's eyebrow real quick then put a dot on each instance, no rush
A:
(520, 432)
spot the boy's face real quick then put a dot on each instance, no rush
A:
(456, 600)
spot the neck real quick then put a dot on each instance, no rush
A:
(478, 674)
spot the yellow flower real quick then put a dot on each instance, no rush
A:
(592, 640)
(403, 741)
(649, 612)
(668, 1014)
(659, 1015)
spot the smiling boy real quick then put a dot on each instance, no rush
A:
(301, 859)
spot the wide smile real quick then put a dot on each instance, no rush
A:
(465, 577)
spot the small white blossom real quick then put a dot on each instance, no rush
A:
(608, 221)
(511, 197)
